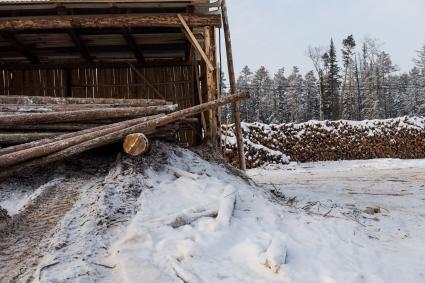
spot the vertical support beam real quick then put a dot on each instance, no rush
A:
(211, 84)
(199, 90)
(233, 88)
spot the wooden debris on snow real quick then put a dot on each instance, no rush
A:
(275, 255)
(227, 206)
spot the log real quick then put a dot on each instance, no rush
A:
(37, 100)
(82, 115)
(51, 127)
(146, 127)
(136, 144)
(17, 157)
(233, 87)
(20, 147)
(43, 108)
(106, 21)
(8, 138)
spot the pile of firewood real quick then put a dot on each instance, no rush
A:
(321, 141)
(44, 130)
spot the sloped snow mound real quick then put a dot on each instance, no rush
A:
(197, 222)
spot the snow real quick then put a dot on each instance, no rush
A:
(322, 236)
(349, 245)
(173, 217)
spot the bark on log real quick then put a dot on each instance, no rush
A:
(18, 138)
(20, 147)
(45, 108)
(60, 144)
(51, 127)
(34, 100)
(82, 115)
(233, 87)
(136, 144)
(106, 21)
(146, 127)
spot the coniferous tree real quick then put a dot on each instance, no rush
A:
(244, 85)
(295, 87)
(281, 105)
(311, 97)
(415, 99)
(331, 96)
(261, 95)
(348, 99)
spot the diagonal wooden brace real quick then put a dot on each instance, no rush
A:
(191, 37)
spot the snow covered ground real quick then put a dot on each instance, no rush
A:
(357, 221)
(316, 228)
(364, 221)
(169, 217)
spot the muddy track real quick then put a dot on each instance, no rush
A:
(26, 235)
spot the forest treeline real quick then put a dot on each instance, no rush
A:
(355, 83)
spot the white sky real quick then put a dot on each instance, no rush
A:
(277, 33)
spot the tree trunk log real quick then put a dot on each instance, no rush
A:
(60, 127)
(8, 138)
(82, 115)
(35, 100)
(146, 127)
(62, 142)
(45, 108)
(136, 144)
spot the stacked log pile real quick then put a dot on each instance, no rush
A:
(58, 133)
(323, 141)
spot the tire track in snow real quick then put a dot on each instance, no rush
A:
(25, 237)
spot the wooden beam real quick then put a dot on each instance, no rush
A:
(191, 37)
(233, 88)
(131, 42)
(106, 21)
(19, 46)
(199, 90)
(76, 64)
(211, 84)
(82, 47)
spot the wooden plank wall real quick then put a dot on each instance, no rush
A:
(176, 83)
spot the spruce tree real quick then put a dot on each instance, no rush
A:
(348, 99)
(281, 105)
(244, 85)
(295, 87)
(311, 97)
(331, 96)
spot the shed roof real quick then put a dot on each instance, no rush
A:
(98, 30)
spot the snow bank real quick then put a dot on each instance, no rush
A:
(175, 237)
(211, 228)
(329, 140)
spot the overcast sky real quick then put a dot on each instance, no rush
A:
(277, 33)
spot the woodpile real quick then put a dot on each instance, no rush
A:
(323, 141)
(32, 149)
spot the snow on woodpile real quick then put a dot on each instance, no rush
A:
(329, 140)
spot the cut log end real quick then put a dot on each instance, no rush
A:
(136, 144)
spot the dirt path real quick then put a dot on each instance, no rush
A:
(26, 235)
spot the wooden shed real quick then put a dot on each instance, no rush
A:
(121, 49)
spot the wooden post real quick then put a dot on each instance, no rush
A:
(233, 88)
(211, 83)
(199, 90)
